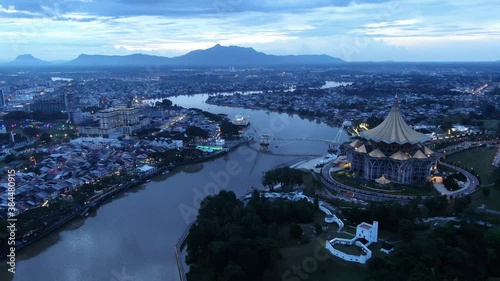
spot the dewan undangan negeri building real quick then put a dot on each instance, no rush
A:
(392, 150)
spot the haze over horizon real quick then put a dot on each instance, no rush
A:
(366, 30)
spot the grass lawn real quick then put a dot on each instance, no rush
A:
(329, 268)
(342, 235)
(442, 168)
(492, 201)
(350, 250)
(479, 159)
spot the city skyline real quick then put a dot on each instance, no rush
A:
(353, 31)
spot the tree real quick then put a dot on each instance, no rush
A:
(45, 116)
(285, 176)
(45, 137)
(16, 116)
(436, 205)
(31, 132)
(270, 179)
(193, 131)
(318, 228)
(486, 191)
(489, 111)
(295, 231)
(406, 230)
(447, 125)
(460, 204)
(373, 121)
(233, 272)
(229, 129)
(496, 177)
(235, 241)
(450, 183)
(10, 158)
(164, 103)
(304, 239)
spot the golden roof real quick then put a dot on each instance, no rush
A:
(377, 153)
(399, 156)
(428, 151)
(419, 155)
(356, 143)
(361, 149)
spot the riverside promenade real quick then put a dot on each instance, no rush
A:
(106, 196)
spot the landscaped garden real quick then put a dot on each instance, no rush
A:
(478, 159)
(349, 179)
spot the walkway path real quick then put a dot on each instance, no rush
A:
(473, 181)
(489, 211)
(331, 183)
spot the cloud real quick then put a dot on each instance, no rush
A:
(352, 30)
(11, 10)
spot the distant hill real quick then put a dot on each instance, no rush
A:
(215, 56)
(130, 60)
(233, 55)
(27, 60)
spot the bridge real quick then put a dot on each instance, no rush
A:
(265, 137)
(304, 139)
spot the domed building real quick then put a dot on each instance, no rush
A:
(392, 150)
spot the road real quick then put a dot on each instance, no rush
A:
(473, 181)
(361, 194)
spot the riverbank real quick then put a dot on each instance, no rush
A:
(118, 189)
(323, 119)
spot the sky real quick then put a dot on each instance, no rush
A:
(363, 30)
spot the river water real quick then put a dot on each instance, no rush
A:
(132, 238)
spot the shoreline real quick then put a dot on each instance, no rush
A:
(105, 197)
(320, 118)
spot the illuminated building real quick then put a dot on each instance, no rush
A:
(393, 150)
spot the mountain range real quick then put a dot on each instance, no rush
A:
(27, 60)
(215, 56)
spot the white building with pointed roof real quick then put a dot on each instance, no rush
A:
(393, 150)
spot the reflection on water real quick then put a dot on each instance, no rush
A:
(135, 233)
(193, 168)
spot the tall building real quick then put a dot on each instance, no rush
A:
(50, 102)
(393, 150)
(4, 90)
(75, 116)
(123, 120)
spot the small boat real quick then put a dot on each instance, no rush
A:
(240, 120)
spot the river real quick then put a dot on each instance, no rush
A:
(132, 238)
